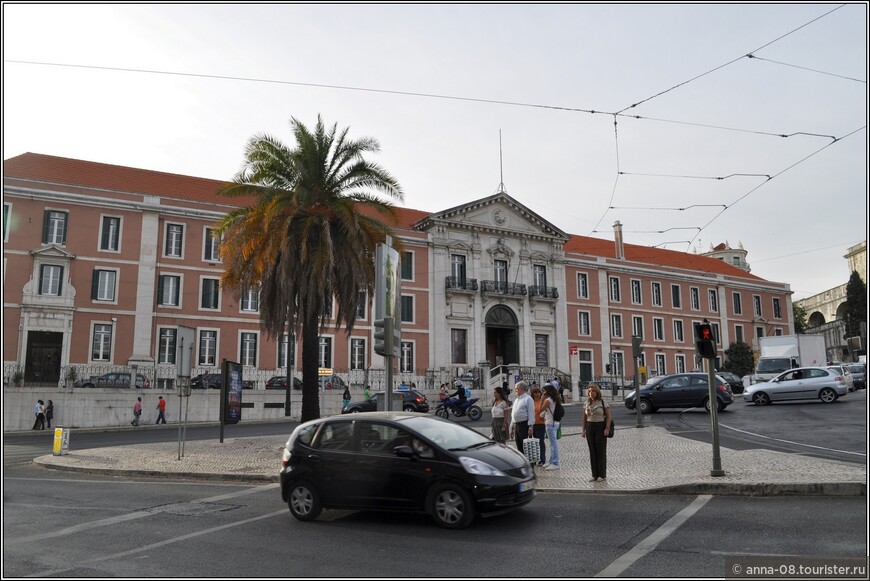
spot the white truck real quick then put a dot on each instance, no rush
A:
(783, 352)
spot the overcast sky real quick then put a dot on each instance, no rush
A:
(181, 89)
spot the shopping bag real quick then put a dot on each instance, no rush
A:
(559, 432)
(532, 450)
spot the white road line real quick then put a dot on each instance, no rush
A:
(754, 435)
(647, 545)
(127, 517)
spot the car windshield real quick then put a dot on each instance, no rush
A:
(447, 434)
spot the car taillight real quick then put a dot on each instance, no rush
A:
(723, 388)
(285, 457)
(421, 399)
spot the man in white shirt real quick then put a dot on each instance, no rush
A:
(522, 411)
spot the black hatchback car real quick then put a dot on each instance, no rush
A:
(398, 461)
(683, 390)
(412, 401)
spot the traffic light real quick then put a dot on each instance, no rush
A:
(704, 340)
(636, 350)
(380, 337)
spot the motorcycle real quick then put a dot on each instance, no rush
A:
(459, 408)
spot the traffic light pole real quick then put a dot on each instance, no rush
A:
(714, 419)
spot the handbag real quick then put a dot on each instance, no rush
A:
(532, 450)
(559, 432)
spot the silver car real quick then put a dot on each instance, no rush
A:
(801, 383)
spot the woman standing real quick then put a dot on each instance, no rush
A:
(49, 412)
(551, 395)
(345, 397)
(500, 416)
(596, 423)
(539, 430)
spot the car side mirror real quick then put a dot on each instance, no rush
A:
(403, 451)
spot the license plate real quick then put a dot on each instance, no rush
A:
(524, 486)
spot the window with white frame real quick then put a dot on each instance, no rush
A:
(714, 301)
(407, 266)
(695, 298)
(207, 347)
(715, 328)
(615, 294)
(582, 285)
(637, 326)
(110, 234)
(660, 364)
(407, 307)
(174, 243)
(210, 295)
(619, 361)
(324, 352)
(7, 221)
(283, 351)
(584, 326)
(169, 290)
(248, 349)
(539, 275)
(658, 329)
(679, 363)
(211, 243)
(101, 346)
(657, 294)
(756, 300)
(458, 346)
(678, 331)
(457, 268)
(636, 294)
(738, 333)
(251, 300)
(166, 346)
(54, 227)
(103, 285)
(616, 325)
(50, 278)
(676, 297)
(777, 309)
(499, 271)
(406, 357)
(738, 307)
(777, 332)
(357, 353)
(361, 304)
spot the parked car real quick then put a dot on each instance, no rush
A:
(802, 383)
(213, 381)
(843, 370)
(113, 380)
(397, 461)
(859, 375)
(280, 382)
(682, 390)
(412, 401)
(734, 380)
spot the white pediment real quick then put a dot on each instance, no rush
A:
(52, 251)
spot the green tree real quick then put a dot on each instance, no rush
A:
(800, 319)
(309, 234)
(739, 359)
(856, 305)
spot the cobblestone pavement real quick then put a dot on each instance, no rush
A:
(638, 461)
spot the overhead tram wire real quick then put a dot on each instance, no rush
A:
(752, 56)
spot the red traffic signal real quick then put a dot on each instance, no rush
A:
(704, 332)
(704, 340)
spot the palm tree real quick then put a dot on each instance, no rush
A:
(308, 235)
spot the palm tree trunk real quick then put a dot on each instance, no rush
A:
(310, 378)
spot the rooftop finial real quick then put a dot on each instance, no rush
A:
(501, 189)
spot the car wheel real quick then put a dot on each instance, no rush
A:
(304, 502)
(88, 385)
(474, 413)
(646, 406)
(354, 411)
(409, 408)
(828, 395)
(761, 398)
(451, 506)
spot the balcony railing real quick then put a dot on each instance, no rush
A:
(455, 283)
(497, 287)
(543, 292)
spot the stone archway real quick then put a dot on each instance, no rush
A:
(502, 336)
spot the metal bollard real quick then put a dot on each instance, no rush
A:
(61, 441)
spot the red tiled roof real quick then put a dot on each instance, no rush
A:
(60, 170)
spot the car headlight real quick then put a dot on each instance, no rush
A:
(629, 395)
(474, 466)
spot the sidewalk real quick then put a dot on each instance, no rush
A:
(647, 460)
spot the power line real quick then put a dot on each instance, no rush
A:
(752, 56)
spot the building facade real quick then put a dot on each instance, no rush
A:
(103, 265)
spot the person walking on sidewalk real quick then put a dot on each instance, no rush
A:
(161, 410)
(39, 410)
(596, 426)
(500, 418)
(539, 429)
(49, 412)
(551, 397)
(137, 411)
(522, 413)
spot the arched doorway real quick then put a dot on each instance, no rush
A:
(502, 336)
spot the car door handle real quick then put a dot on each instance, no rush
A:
(314, 457)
